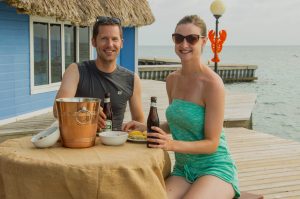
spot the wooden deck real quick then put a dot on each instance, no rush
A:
(238, 109)
(266, 164)
(24, 127)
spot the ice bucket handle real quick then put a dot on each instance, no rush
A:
(83, 116)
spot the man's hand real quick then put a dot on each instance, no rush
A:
(101, 120)
(134, 125)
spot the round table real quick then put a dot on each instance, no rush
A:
(128, 171)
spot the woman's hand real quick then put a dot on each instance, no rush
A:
(160, 137)
(134, 125)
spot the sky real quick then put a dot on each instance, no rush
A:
(247, 22)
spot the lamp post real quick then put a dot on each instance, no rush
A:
(217, 8)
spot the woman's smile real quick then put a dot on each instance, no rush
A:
(185, 51)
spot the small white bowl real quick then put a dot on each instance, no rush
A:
(46, 138)
(113, 138)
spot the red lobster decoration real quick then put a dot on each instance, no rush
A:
(217, 43)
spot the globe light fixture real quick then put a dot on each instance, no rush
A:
(217, 8)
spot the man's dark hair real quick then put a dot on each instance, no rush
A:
(103, 21)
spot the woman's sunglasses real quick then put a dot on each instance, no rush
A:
(108, 20)
(191, 39)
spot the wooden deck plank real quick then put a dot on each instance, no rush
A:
(279, 190)
(266, 164)
(261, 174)
(285, 178)
(284, 194)
(30, 125)
(292, 197)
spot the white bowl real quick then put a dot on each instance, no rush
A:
(113, 137)
(46, 138)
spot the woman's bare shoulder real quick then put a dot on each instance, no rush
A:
(173, 75)
(213, 80)
(171, 82)
(213, 90)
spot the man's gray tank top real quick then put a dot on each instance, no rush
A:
(95, 83)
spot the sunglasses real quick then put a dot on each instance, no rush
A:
(191, 39)
(108, 20)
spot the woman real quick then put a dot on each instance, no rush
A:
(203, 165)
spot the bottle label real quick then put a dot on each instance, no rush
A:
(153, 104)
(106, 100)
(108, 125)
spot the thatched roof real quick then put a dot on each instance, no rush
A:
(84, 12)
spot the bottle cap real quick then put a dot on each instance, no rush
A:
(153, 99)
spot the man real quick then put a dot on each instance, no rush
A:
(94, 78)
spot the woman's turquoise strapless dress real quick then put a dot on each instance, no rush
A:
(186, 122)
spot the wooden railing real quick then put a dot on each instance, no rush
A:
(237, 73)
(156, 72)
(229, 73)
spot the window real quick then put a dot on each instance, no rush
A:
(56, 58)
(84, 52)
(70, 45)
(54, 46)
(41, 59)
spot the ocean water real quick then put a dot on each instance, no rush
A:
(277, 109)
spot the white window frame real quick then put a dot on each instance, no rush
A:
(52, 86)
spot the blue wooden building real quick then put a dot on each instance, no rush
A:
(38, 40)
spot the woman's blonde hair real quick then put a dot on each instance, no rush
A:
(196, 20)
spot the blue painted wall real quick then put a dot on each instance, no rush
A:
(15, 97)
(127, 53)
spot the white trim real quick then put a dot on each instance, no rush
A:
(49, 56)
(90, 40)
(77, 44)
(25, 116)
(31, 41)
(63, 61)
(136, 59)
(45, 88)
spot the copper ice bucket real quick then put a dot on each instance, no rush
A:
(78, 118)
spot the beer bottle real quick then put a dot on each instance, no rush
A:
(108, 112)
(153, 119)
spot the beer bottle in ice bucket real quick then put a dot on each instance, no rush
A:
(153, 119)
(108, 112)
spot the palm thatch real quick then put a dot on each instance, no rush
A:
(84, 12)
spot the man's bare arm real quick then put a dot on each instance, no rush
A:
(135, 102)
(68, 85)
